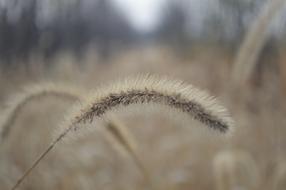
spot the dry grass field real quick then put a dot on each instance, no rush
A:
(167, 152)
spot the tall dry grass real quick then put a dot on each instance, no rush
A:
(176, 157)
(249, 51)
(235, 169)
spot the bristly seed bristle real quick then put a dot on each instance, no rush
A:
(146, 96)
(149, 89)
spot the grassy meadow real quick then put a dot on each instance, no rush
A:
(159, 149)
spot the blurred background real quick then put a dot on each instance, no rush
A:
(84, 43)
(47, 28)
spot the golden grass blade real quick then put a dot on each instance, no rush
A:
(122, 135)
(127, 141)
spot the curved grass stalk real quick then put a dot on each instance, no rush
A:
(34, 92)
(143, 89)
(254, 41)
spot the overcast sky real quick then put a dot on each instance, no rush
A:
(143, 14)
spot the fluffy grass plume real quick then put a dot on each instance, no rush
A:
(235, 169)
(143, 89)
(254, 40)
(32, 92)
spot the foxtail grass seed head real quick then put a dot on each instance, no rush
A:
(151, 90)
(142, 90)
